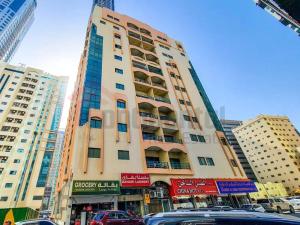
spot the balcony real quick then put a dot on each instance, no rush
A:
(144, 95)
(140, 65)
(142, 81)
(150, 137)
(167, 118)
(158, 165)
(162, 99)
(170, 139)
(180, 166)
(148, 115)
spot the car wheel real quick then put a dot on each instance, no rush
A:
(279, 210)
(292, 210)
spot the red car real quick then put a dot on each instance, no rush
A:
(115, 218)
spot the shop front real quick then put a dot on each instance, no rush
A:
(235, 192)
(193, 193)
(90, 196)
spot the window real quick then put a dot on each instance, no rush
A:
(123, 155)
(17, 161)
(201, 138)
(121, 104)
(117, 28)
(206, 161)
(103, 22)
(210, 162)
(195, 119)
(118, 58)
(12, 172)
(181, 101)
(94, 153)
(186, 118)
(120, 86)
(193, 137)
(118, 46)
(3, 199)
(37, 197)
(96, 123)
(23, 140)
(20, 150)
(202, 161)
(122, 127)
(8, 185)
(119, 71)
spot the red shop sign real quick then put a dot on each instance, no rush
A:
(194, 187)
(135, 180)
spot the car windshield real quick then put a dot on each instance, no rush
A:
(98, 216)
(263, 201)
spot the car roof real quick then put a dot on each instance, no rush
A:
(32, 221)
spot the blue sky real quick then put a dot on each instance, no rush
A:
(247, 61)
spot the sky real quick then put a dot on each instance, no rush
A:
(248, 62)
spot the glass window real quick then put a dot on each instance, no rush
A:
(202, 161)
(8, 185)
(94, 153)
(121, 104)
(12, 172)
(118, 46)
(122, 127)
(120, 86)
(3, 199)
(186, 118)
(117, 57)
(210, 162)
(123, 155)
(17, 161)
(96, 123)
(193, 137)
(120, 71)
(201, 138)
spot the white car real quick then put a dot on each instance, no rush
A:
(294, 201)
(253, 207)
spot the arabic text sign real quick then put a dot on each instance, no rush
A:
(233, 187)
(194, 187)
(93, 187)
(135, 180)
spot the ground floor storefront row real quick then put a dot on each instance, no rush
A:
(135, 194)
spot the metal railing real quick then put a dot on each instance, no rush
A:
(159, 85)
(149, 115)
(152, 138)
(160, 165)
(142, 95)
(162, 99)
(173, 140)
(167, 118)
(142, 81)
(180, 166)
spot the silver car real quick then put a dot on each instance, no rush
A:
(276, 205)
(36, 222)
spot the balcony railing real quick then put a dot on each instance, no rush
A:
(167, 118)
(139, 65)
(148, 115)
(142, 81)
(142, 95)
(180, 166)
(159, 165)
(148, 137)
(173, 140)
(159, 85)
(162, 99)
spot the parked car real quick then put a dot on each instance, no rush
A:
(253, 207)
(275, 205)
(233, 217)
(112, 217)
(223, 207)
(35, 222)
(294, 201)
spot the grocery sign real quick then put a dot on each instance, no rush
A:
(236, 186)
(193, 187)
(93, 187)
(135, 180)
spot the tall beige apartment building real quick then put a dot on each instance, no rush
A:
(141, 133)
(31, 103)
(270, 144)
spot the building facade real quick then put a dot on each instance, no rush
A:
(268, 190)
(30, 112)
(16, 17)
(270, 144)
(141, 128)
(286, 11)
(228, 125)
(110, 4)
